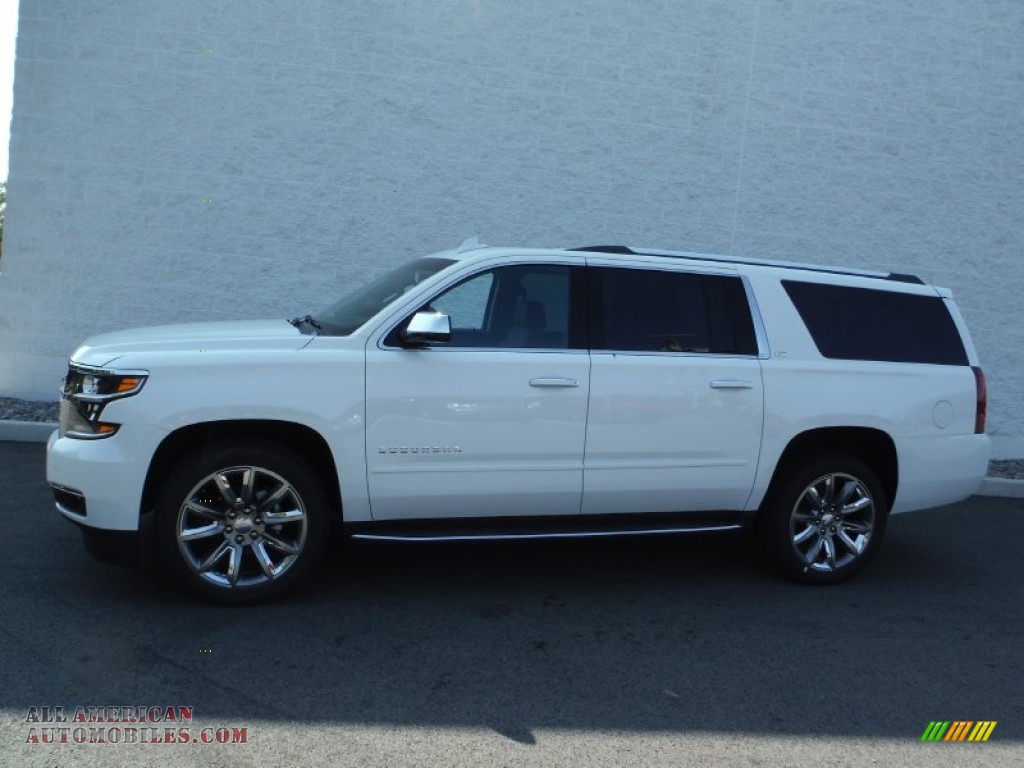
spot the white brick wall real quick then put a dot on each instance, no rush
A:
(336, 139)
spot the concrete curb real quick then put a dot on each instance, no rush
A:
(26, 431)
(1002, 487)
(39, 432)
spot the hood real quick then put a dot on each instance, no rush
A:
(191, 337)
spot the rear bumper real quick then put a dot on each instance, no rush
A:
(939, 470)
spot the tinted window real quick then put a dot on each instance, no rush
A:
(514, 307)
(656, 311)
(867, 324)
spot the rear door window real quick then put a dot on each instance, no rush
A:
(641, 310)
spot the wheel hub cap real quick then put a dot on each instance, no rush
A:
(241, 526)
(832, 522)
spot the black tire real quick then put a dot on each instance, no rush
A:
(251, 550)
(806, 516)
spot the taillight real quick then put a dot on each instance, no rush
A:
(982, 391)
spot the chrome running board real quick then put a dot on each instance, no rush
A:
(495, 536)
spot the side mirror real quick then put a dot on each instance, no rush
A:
(427, 327)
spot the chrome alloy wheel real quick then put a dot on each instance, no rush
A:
(241, 527)
(832, 522)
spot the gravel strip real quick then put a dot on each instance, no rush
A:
(1012, 469)
(14, 409)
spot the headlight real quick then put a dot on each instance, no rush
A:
(85, 394)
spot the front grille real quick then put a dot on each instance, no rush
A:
(69, 499)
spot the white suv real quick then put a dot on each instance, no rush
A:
(521, 393)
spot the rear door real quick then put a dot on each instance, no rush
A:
(676, 400)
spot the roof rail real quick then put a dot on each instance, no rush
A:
(748, 261)
(606, 249)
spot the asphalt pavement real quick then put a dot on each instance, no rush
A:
(671, 652)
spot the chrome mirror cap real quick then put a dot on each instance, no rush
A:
(428, 326)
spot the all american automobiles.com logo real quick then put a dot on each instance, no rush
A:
(125, 725)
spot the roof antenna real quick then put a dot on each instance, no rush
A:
(470, 244)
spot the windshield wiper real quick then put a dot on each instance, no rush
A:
(309, 320)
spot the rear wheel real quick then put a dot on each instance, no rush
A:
(825, 520)
(242, 522)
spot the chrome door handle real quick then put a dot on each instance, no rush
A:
(731, 384)
(553, 381)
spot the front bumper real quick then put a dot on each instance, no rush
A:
(99, 482)
(97, 485)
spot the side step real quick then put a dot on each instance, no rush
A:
(525, 529)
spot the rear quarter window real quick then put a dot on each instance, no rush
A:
(849, 323)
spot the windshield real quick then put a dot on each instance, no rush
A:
(350, 312)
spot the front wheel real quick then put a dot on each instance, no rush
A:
(242, 522)
(825, 520)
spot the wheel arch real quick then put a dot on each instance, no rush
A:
(304, 441)
(872, 446)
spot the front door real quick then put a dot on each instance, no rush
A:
(493, 422)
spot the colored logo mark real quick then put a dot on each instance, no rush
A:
(959, 730)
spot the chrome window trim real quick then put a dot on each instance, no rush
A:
(444, 348)
(760, 334)
(665, 353)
